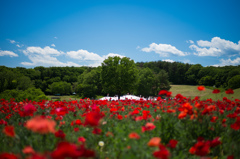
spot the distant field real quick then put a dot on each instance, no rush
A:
(192, 91)
(67, 98)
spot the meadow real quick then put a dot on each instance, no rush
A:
(179, 127)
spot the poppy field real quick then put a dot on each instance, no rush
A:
(176, 127)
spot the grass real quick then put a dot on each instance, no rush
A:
(192, 91)
(67, 98)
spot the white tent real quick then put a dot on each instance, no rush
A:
(124, 97)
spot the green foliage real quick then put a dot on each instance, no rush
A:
(192, 74)
(118, 75)
(207, 81)
(146, 82)
(234, 82)
(19, 95)
(162, 82)
(62, 88)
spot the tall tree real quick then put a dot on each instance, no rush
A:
(118, 75)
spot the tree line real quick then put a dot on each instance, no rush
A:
(116, 76)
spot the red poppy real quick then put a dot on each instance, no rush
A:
(60, 134)
(8, 156)
(120, 117)
(81, 139)
(154, 142)
(92, 119)
(172, 143)
(148, 127)
(163, 153)
(201, 148)
(229, 91)
(236, 125)
(134, 135)
(9, 131)
(201, 88)
(29, 109)
(215, 142)
(78, 122)
(28, 150)
(215, 91)
(97, 131)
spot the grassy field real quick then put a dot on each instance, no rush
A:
(192, 91)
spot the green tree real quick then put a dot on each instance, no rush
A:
(118, 75)
(207, 81)
(146, 82)
(161, 82)
(60, 88)
(234, 82)
(192, 74)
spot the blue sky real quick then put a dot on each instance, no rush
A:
(85, 32)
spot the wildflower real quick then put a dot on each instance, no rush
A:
(29, 109)
(101, 143)
(236, 125)
(172, 143)
(215, 142)
(120, 117)
(60, 134)
(182, 115)
(148, 127)
(92, 119)
(163, 153)
(97, 131)
(81, 139)
(9, 131)
(229, 91)
(201, 148)
(8, 156)
(215, 91)
(154, 142)
(28, 150)
(41, 125)
(201, 88)
(134, 135)
(78, 122)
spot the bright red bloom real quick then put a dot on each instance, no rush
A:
(92, 119)
(214, 119)
(134, 135)
(215, 142)
(60, 134)
(229, 91)
(236, 125)
(9, 131)
(163, 153)
(29, 109)
(165, 92)
(148, 127)
(81, 139)
(172, 143)
(97, 131)
(8, 156)
(215, 91)
(154, 142)
(120, 117)
(201, 148)
(182, 115)
(201, 88)
(28, 150)
(230, 157)
(78, 122)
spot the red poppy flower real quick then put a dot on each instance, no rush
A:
(229, 91)
(215, 142)
(28, 150)
(8, 156)
(9, 131)
(29, 109)
(172, 143)
(78, 122)
(134, 135)
(148, 127)
(236, 125)
(120, 117)
(60, 134)
(201, 88)
(215, 91)
(154, 142)
(92, 119)
(201, 148)
(97, 131)
(163, 153)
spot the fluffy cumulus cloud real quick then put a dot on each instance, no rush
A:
(215, 47)
(53, 45)
(168, 60)
(48, 56)
(8, 53)
(44, 57)
(93, 59)
(164, 50)
(227, 62)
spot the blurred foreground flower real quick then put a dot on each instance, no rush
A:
(201, 88)
(41, 125)
(9, 131)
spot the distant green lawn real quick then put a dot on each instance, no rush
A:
(192, 91)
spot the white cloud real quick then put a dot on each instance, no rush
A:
(8, 53)
(12, 41)
(55, 37)
(164, 50)
(44, 57)
(93, 59)
(53, 45)
(215, 47)
(42, 51)
(18, 45)
(138, 47)
(229, 62)
(168, 60)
